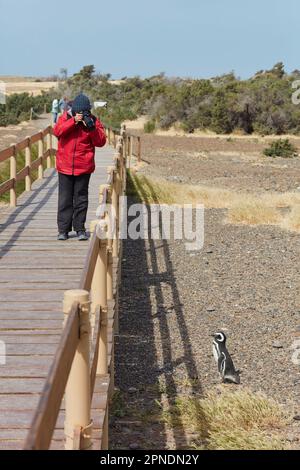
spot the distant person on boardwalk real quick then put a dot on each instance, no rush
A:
(78, 132)
(55, 110)
(63, 104)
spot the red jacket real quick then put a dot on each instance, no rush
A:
(76, 145)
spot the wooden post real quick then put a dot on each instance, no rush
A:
(40, 154)
(115, 210)
(28, 164)
(123, 135)
(128, 145)
(78, 389)
(119, 149)
(103, 344)
(13, 175)
(139, 149)
(99, 293)
(131, 147)
(109, 136)
(49, 147)
(109, 274)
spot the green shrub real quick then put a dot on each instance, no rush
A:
(149, 127)
(18, 106)
(281, 148)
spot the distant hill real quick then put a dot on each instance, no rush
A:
(31, 85)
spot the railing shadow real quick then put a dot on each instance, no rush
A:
(11, 219)
(139, 345)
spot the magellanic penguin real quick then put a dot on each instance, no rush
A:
(222, 357)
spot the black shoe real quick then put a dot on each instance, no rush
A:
(82, 235)
(63, 236)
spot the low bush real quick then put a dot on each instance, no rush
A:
(281, 148)
(149, 127)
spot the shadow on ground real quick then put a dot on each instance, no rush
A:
(146, 356)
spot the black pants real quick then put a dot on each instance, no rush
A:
(73, 199)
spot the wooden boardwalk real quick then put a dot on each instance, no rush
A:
(35, 271)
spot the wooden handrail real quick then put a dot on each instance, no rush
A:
(90, 263)
(6, 185)
(128, 142)
(43, 424)
(43, 138)
(6, 153)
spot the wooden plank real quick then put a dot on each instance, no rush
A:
(35, 137)
(21, 246)
(90, 263)
(25, 296)
(23, 144)
(12, 434)
(18, 402)
(30, 315)
(45, 258)
(7, 153)
(45, 417)
(22, 173)
(47, 306)
(6, 186)
(60, 275)
(46, 131)
(36, 264)
(11, 444)
(34, 288)
(35, 164)
(26, 337)
(21, 385)
(40, 349)
(29, 324)
(26, 257)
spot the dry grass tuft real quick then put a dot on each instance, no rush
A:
(253, 212)
(243, 208)
(292, 220)
(239, 420)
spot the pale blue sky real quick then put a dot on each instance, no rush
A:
(191, 38)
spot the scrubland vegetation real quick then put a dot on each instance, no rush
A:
(223, 104)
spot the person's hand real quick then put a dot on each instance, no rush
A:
(78, 117)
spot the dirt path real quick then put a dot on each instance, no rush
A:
(15, 133)
(245, 280)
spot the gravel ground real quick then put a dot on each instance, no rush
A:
(235, 164)
(245, 280)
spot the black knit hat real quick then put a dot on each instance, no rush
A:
(81, 103)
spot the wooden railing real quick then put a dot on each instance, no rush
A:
(132, 143)
(91, 320)
(43, 139)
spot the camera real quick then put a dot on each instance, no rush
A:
(88, 119)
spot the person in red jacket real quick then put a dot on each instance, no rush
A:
(78, 133)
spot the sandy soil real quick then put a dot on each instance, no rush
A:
(15, 133)
(23, 84)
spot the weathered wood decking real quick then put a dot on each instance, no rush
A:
(35, 271)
